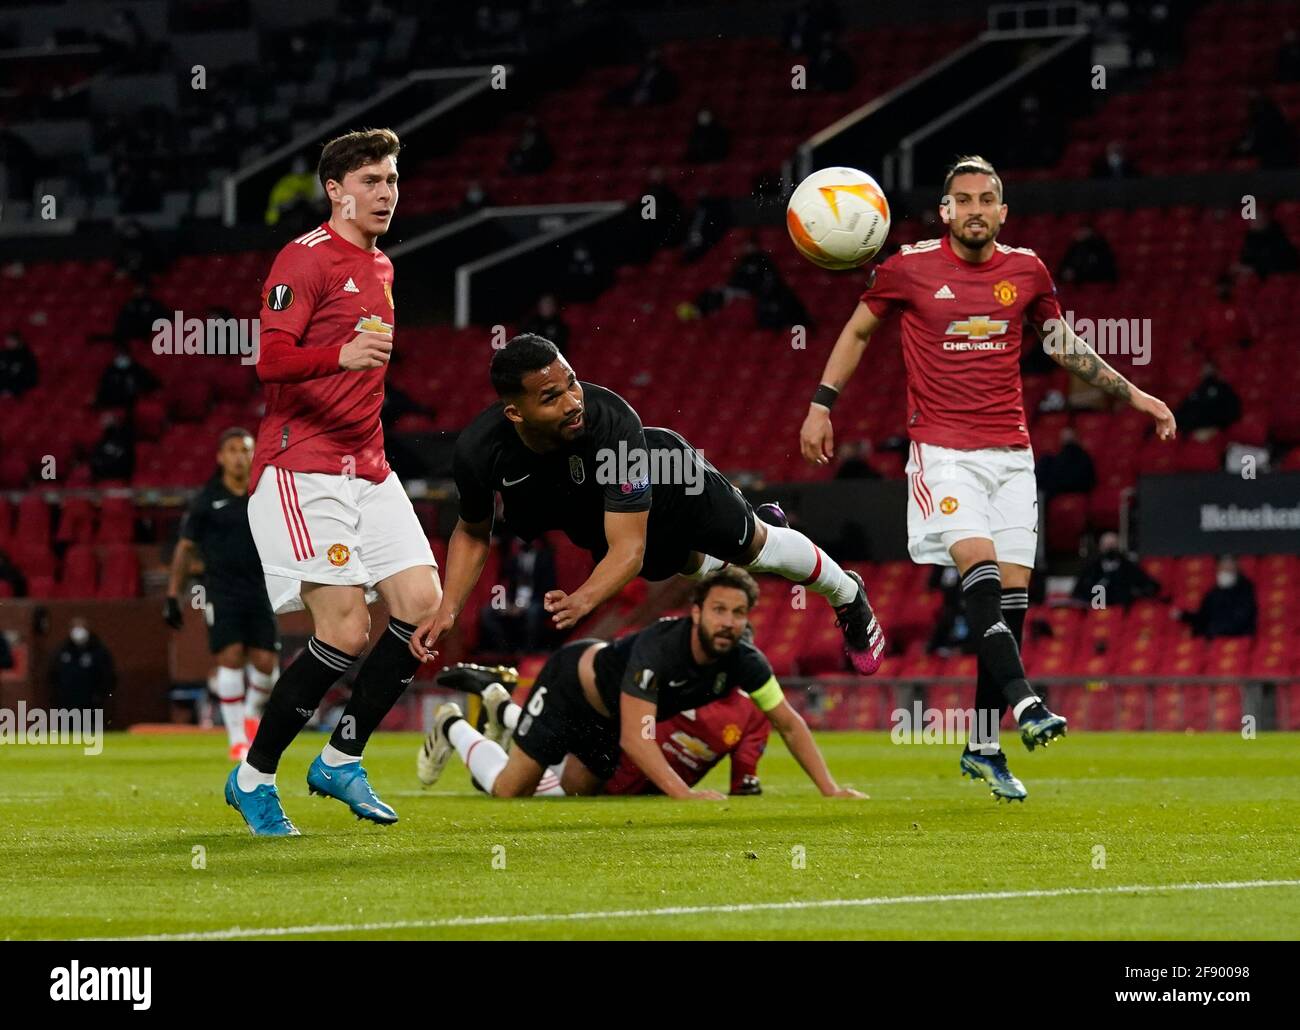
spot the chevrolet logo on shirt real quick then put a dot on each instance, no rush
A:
(978, 327)
(372, 324)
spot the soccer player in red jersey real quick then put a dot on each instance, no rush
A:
(692, 742)
(696, 740)
(973, 500)
(333, 526)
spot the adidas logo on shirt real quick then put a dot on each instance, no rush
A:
(943, 293)
(350, 286)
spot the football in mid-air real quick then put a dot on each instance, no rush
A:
(838, 218)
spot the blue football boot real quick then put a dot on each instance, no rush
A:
(348, 784)
(260, 808)
(1039, 727)
(993, 770)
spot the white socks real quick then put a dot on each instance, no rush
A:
(228, 684)
(249, 778)
(484, 758)
(709, 564)
(333, 757)
(260, 685)
(789, 553)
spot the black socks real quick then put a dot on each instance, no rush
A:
(381, 680)
(996, 643)
(294, 700)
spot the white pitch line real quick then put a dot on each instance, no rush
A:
(689, 910)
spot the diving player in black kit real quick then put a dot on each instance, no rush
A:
(574, 456)
(592, 701)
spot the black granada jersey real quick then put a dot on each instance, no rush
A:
(572, 487)
(656, 665)
(217, 520)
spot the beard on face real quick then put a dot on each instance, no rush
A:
(709, 642)
(975, 242)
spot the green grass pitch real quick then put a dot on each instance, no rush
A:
(106, 846)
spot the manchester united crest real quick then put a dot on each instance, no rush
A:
(1004, 292)
(948, 505)
(338, 555)
(731, 734)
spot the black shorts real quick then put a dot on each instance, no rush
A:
(557, 720)
(240, 620)
(718, 521)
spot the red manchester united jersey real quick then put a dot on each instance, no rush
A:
(962, 331)
(322, 291)
(696, 740)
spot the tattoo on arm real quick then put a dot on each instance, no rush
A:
(1078, 358)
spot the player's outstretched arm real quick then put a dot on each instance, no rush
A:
(467, 553)
(637, 739)
(816, 438)
(625, 535)
(1078, 358)
(798, 738)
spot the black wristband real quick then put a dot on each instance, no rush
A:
(825, 396)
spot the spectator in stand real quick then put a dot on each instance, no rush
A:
(138, 255)
(654, 84)
(855, 461)
(1114, 163)
(1288, 57)
(81, 671)
(1228, 608)
(668, 226)
(776, 306)
(708, 223)
(1088, 259)
(1267, 249)
(751, 267)
(812, 20)
(708, 142)
(1122, 580)
(13, 575)
(294, 197)
(1069, 470)
(1269, 136)
(533, 152)
(546, 321)
(475, 198)
(1212, 405)
(1226, 323)
(124, 381)
(831, 68)
(519, 623)
(135, 320)
(584, 278)
(114, 454)
(18, 368)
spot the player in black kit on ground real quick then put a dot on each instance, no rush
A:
(242, 631)
(593, 700)
(574, 457)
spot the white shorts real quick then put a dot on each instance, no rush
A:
(312, 527)
(956, 495)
